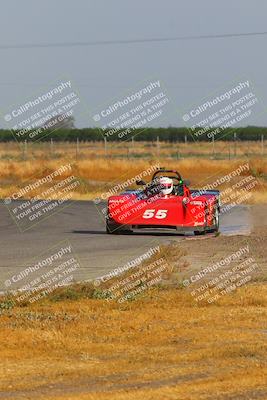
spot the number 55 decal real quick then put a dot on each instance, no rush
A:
(160, 214)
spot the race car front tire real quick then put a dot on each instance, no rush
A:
(198, 233)
(115, 229)
(111, 228)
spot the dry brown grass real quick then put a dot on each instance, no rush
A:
(98, 173)
(161, 346)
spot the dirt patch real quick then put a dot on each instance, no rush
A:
(202, 252)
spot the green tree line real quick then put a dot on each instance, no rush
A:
(170, 134)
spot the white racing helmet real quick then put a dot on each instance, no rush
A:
(166, 185)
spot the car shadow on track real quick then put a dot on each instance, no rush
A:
(88, 232)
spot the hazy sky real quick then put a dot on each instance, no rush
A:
(190, 69)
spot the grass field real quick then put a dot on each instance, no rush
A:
(99, 169)
(162, 346)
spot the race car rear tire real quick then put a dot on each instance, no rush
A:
(216, 224)
(203, 231)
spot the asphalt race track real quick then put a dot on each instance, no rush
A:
(80, 225)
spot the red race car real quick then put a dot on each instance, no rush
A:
(166, 202)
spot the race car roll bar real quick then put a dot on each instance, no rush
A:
(163, 170)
